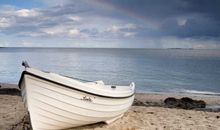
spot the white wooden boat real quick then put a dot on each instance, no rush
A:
(57, 102)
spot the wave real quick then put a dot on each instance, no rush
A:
(182, 91)
(201, 92)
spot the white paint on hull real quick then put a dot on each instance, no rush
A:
(52, 106)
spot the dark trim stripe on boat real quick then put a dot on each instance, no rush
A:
(66, 86)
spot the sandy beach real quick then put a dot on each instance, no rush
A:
(151, 116)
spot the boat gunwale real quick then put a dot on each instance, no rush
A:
(66, 86)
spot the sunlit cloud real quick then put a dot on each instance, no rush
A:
(5, 22)
(75, 18)
(127, 30)
(74, 32)
(181, 21)
(118, 28)
(27, 13)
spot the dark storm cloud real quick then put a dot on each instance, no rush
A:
(194, 27)
(181, 18)
(160, 9)
(154, 9)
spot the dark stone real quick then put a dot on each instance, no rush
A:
(171, 102)
(150, 103)
(184, 103)
(217, 117)
(188, 103)
(150, 112)
(138, 103)
(10, 91)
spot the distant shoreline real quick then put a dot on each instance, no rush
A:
(180, 48)
(208, 94)
(109, 48)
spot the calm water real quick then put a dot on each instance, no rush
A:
(157, 70)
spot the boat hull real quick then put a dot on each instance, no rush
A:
(52, 106)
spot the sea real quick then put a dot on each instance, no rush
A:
(188, 71)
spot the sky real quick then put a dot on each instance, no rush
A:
(110, 23)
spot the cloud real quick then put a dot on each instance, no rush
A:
(52, 22)
(27, 13)
(53, 30)
(74, 32)
(181, 21)
(75, 18)
(175, 42)
(129, 34)
(64, 21)
(55, 2)
(117, 28)
(182, 18)
(146, 23)
(126, 30)
(60, 31)
(5, 22)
